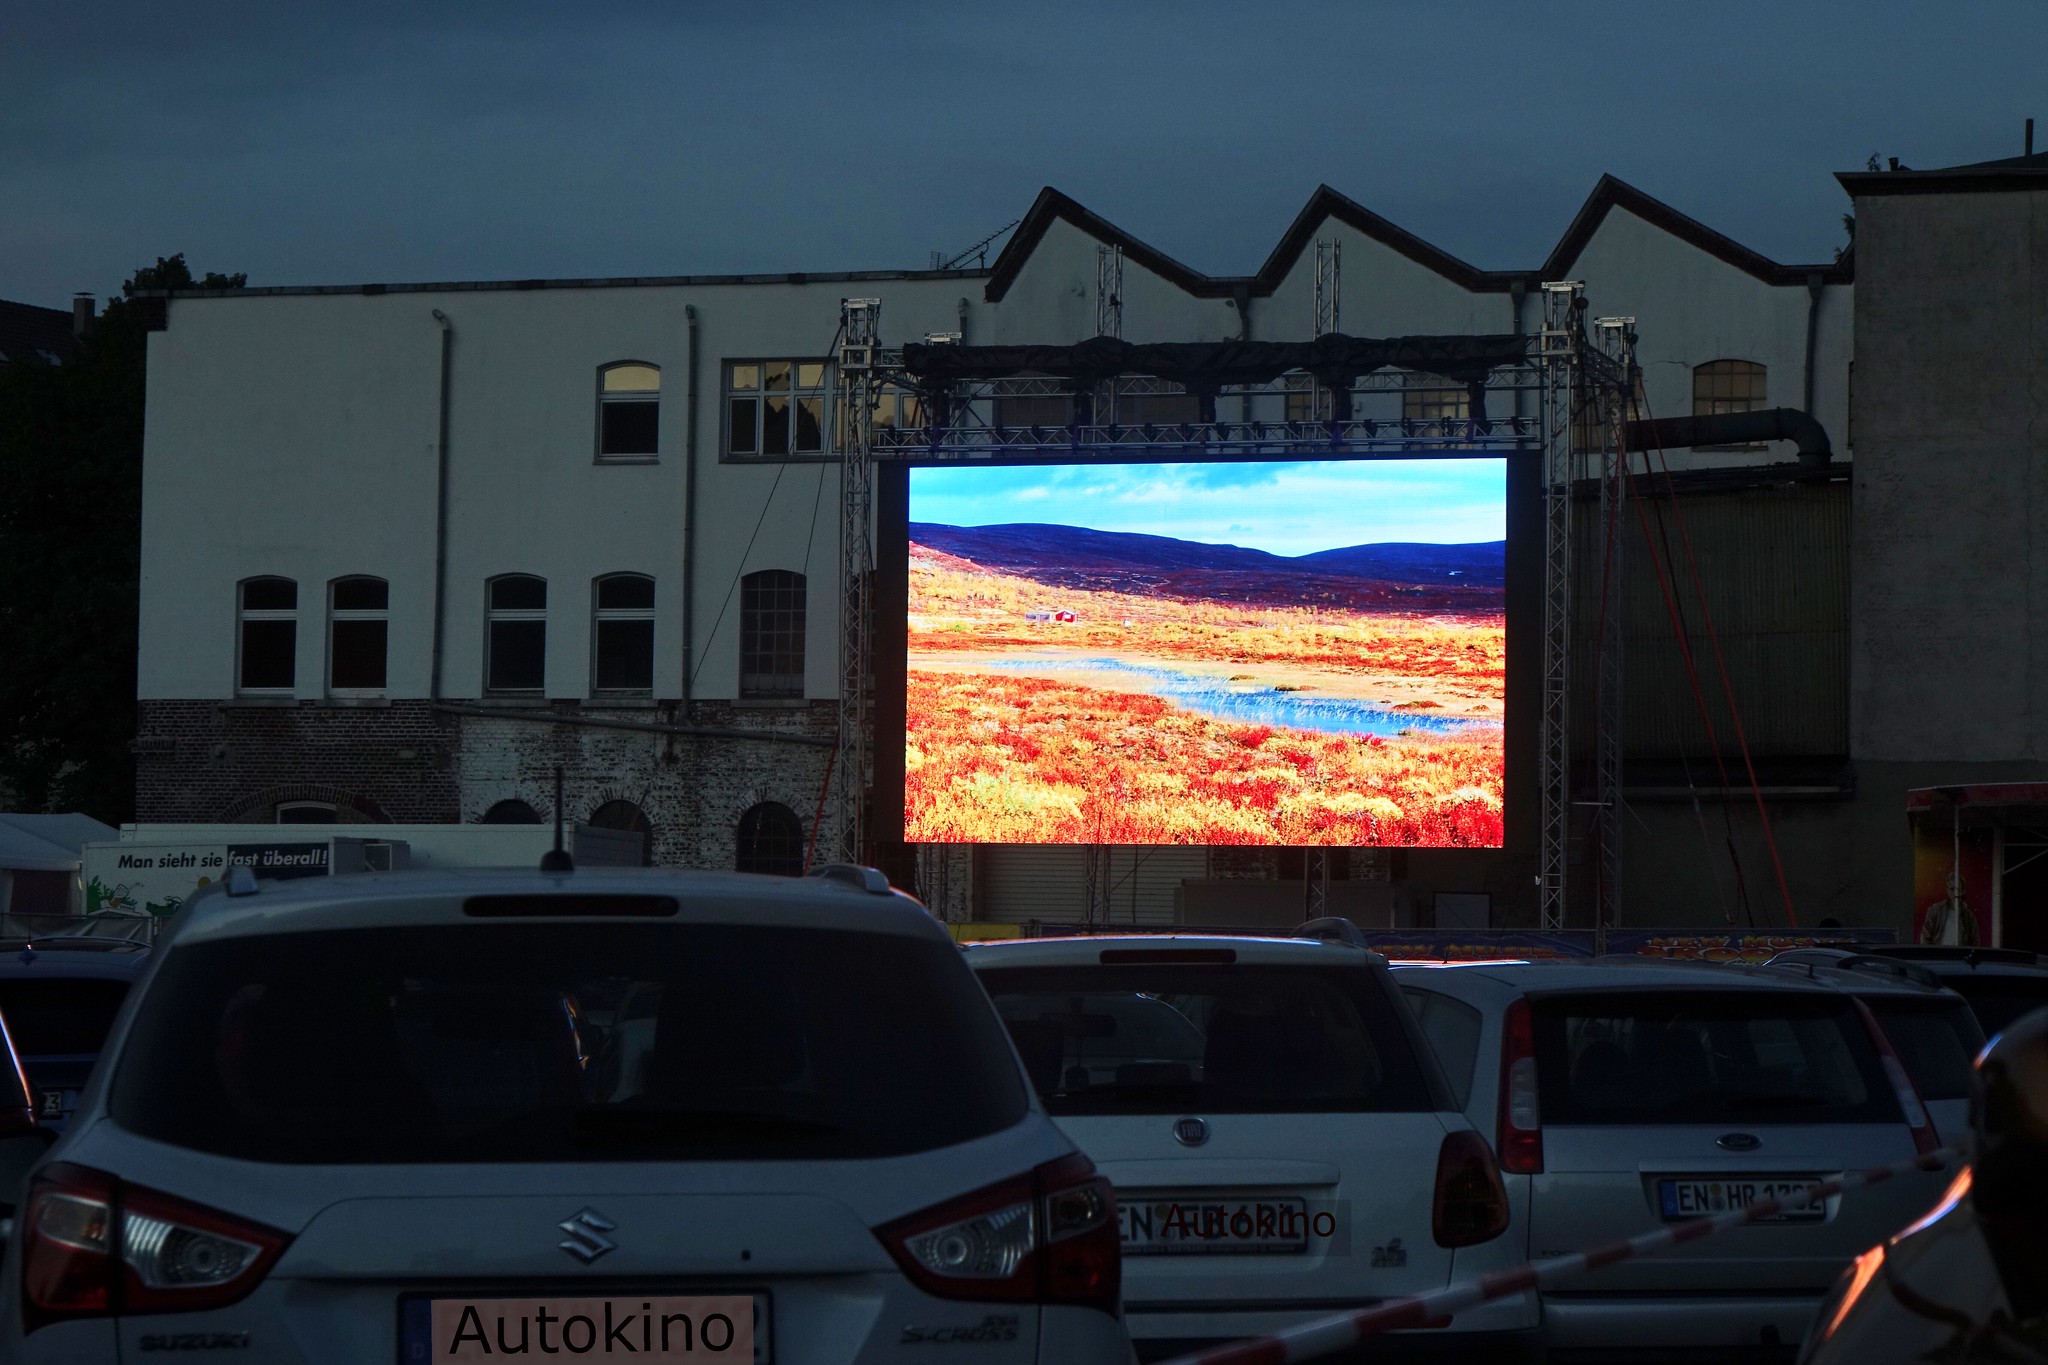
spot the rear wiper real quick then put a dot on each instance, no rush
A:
(612, 1123)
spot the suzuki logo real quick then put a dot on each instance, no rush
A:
(1190, 1132)
(1739, 1142)
(586, 1240)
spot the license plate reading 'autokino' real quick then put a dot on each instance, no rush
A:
(644, 1328)
(1697, 1198)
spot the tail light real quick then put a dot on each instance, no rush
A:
(1470, 1205)
(1925, 1139)
(1049, 1237)
(93, 1246)
(1521, 1120)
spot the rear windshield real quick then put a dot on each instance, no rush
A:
(1998, 1000)
(1936, 1043)
(54, 1018)
(524, 1041)
(1707, 1057)
(1171, 1038)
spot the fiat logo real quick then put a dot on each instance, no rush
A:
(1190, 1132)
(1739, 1142)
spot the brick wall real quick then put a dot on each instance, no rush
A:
(215, 761)
(211, 760)
(692, 789)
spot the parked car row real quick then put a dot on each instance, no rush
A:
(430, 1117)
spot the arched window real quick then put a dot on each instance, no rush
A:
(511, 812)
(770, 839)
(358, 632)
(1729, 386)
(622, 635)
(267, 644)
(307, 813)
(627, 816)
(772, 634)
(516, 635)
(628, 411)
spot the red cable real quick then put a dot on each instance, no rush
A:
(812, 847)
(1727, 688)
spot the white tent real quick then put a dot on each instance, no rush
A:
(39, 855)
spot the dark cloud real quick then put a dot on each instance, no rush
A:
(382, 141)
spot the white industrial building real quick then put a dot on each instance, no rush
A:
(409, 548)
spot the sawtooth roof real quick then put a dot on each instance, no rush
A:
(1327, 204)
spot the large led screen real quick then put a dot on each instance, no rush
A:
(1294, 654)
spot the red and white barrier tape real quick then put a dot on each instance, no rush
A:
(1323, 1335)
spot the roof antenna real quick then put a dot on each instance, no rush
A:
(557, 859)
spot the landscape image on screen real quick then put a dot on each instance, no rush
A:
(1291, 654)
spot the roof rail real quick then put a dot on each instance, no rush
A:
(869, 879)
(1903, 968)
(1954, 952)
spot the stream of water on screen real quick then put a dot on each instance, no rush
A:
(1211, 696)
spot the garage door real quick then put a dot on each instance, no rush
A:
(1021, 883)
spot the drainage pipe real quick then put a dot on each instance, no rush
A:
(690, 418)
(440, 508)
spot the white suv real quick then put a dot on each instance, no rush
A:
(1282, 1144)
(395, 1119)
(1624, 1096)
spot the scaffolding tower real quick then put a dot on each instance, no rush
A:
(969, 419)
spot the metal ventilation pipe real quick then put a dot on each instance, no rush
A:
(1737, 428)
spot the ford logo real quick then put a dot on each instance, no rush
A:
(1190, 1132)
(1739, 1142)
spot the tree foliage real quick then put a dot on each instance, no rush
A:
(70, 540)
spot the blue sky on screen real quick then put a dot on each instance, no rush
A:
(1283, 508)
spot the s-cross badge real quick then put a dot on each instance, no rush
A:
(586, 1240)
(1190, 1132)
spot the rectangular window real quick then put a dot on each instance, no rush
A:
(358, 632)
(1033, 400)
(623, 635)
(516, 643)
(772, 634)
(269, 631)
(717, 1043)
(1433, 398)
(60, 1017)
(1707, 1057)
(1729, 386)
(629, 412)
(1151, 402)
(1305, 401)
(776, 409)
(1192, 1039)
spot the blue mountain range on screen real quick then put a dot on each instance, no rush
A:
(1032, 549)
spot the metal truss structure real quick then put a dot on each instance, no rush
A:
(1025, 419)
(1607, 416)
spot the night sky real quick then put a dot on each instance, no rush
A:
(347, 143)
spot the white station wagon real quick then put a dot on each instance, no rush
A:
(1626, 1096)
(630, 1116)
(1282, 1144)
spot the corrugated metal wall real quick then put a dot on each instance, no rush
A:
(1020, 882)
(1774, 565)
